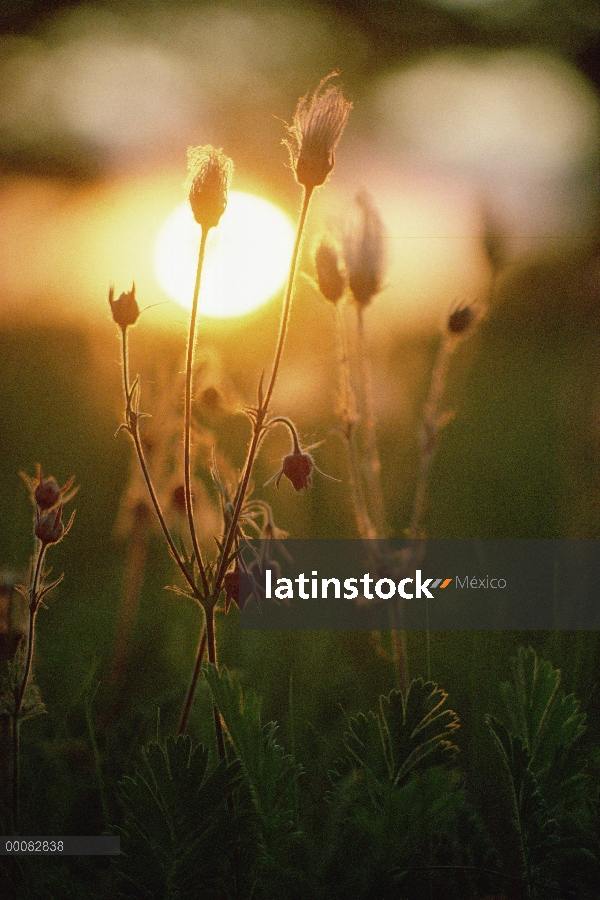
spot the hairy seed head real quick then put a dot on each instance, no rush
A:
(364, 251)
(209, 177)
(316, 129)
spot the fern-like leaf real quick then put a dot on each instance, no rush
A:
(178, 834)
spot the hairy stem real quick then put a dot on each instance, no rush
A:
(212, 657)
(132, 426)
(262, 410)
(187, 427)
(258, 431)
(33, 606)
(365, 526)
(192, 688)
(372, 465)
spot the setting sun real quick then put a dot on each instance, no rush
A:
(247, 259)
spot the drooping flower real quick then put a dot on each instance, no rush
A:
(364, 251)
(316, 129)
(209, 176)
(125, 310)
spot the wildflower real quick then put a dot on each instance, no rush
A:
(364, 253)
(49, 527)
(125, 310)
(331, 280)
(45, 492)
(314, 134)
(298, 466)
(209, 177)
(461, 319)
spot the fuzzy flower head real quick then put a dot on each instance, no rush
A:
(331, 279)
(209, 177)
(317, 127)
(364, 251)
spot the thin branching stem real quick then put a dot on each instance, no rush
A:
(258, 432)
(431, 416)
(34, 598)
(187, 426)
(366, 528)
(212, 658)
(132, 426)
(372, 465)
(263, 407)
(192, 689)
(431, 426)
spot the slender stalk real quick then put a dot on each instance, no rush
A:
(372, 465)
(257, 435)
(212, 657)
(363, 520)
(33, 605)
(431, 426)
(132, 427)
(192, 688)
(431, 415)
(187, 427)
(285, 316)
(262, 410)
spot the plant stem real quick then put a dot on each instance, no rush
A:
(431, 414)
(33, 605)
(366, 528)
(257, 434)
(372, 465)
(132, 426)
(262, 410)
(187, 427)
(212, 658)
(192, 688)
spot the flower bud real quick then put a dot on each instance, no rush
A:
(364, 251)
(47, 493)
(125, 310)
(49, 528)
(209, 177)
(461, 319)
(331, 280)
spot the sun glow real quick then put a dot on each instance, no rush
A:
(247, 256)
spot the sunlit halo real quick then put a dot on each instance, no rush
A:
(247, 256)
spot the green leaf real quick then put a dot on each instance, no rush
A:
(270, 772)
(178, 833)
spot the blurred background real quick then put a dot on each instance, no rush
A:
(475, 129)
